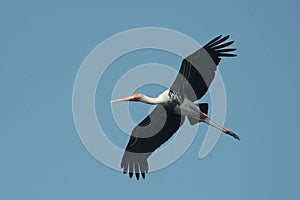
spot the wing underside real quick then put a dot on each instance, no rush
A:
(151, 133)
(197, 71)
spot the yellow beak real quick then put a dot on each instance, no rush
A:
(123, 99)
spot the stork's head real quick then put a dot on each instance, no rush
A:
(134, 97)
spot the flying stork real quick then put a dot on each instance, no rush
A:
(174, 105)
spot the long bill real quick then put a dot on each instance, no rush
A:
(134, 97)
(123, 99)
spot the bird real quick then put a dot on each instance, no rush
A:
(174, 105)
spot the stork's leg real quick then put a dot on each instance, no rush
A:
(224, 130)
(218, 126)
(203, 117)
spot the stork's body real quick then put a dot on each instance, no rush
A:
(174, 105)
(180, 105)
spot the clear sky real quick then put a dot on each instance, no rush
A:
(43, 45)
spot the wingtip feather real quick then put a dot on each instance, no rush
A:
(213, 40)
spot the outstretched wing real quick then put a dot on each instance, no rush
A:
(198, 70)
(146, 137)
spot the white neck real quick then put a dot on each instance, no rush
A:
(150, 100)
(161, 99)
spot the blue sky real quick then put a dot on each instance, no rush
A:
(43, 45)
